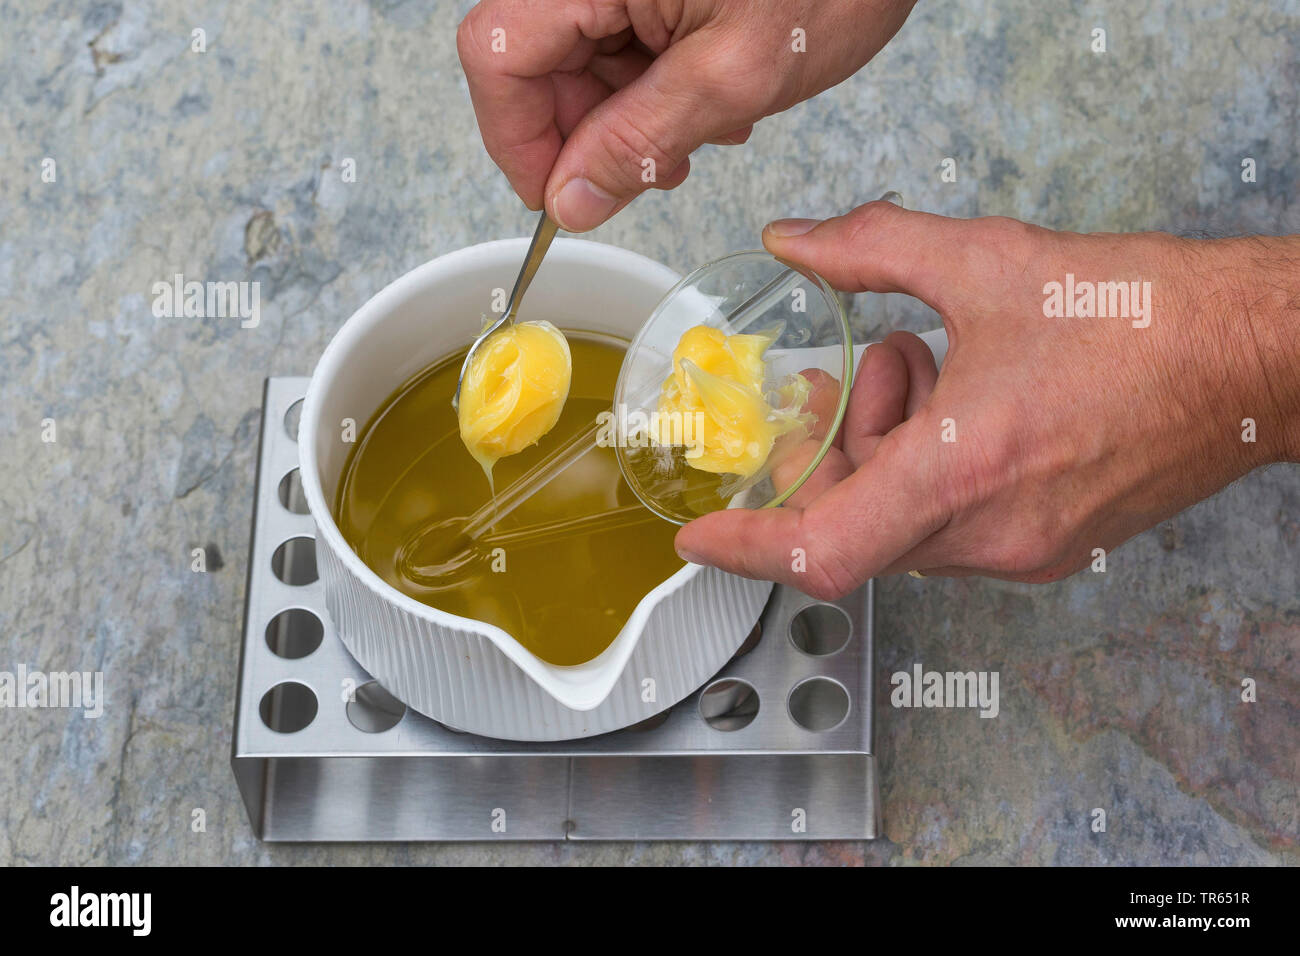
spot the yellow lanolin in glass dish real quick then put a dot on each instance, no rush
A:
(514, 391)
(715, 398)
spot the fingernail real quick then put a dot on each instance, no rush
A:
(689, 557)
(789, 228)
(581, 205)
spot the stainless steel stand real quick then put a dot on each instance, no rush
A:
(777, 746)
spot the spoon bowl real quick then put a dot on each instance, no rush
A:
(542, 236)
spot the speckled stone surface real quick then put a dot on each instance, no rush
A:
(1118, 691)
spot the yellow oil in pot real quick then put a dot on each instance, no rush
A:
(564, 595)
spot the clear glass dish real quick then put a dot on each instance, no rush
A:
(807, 374)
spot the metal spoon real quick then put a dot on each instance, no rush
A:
(532, 262)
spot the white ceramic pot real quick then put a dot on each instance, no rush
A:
(468, 674)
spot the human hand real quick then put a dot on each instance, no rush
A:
(575, 97)
(1043, 438)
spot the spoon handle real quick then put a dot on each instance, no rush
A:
(546, 228)
(532, 262)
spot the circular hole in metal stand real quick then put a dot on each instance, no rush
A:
(819, 703)
(294, 562)
(289, 707)
(291, 494)
(294, 633)
(729, 704)
(291, 419)
(820, 629)
(373, 709)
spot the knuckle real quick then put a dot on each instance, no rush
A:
(748, 551)
(1004, 228)
(734, 75)
(1006, 239)
(821, 585)
(908, 343)
(600, 18)
(864, 222)
(468, 47)
(627, 145)
(506, 155)
(831, 573)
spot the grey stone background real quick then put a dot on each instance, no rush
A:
(1118, 690)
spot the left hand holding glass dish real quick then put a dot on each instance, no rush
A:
(729, 396)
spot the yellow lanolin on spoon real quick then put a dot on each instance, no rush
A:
(514, 391)
(717, 382)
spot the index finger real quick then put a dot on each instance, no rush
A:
(508, 49)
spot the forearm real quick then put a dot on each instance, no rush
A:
(1250, 287)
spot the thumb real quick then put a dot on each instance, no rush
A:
(847, 534)
(877, 247)
(641, 137)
